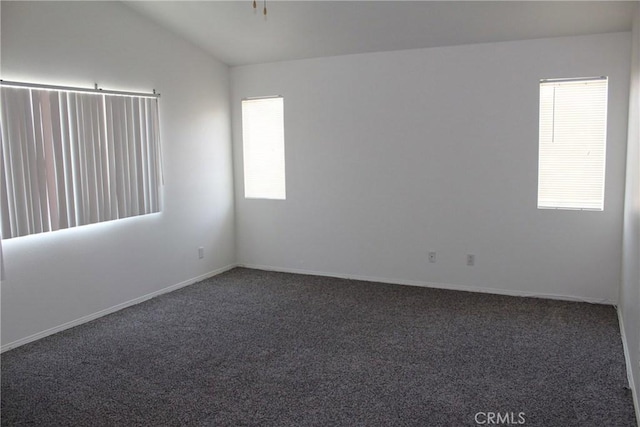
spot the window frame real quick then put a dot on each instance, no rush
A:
(74, 156)
(577, 163)
(263, 182)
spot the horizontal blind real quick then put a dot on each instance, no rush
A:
(572, 144)
(263, 148)
(72, 158)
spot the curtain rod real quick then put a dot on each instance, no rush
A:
(96, 89)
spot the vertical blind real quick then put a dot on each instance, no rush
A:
(572, 144)
(73, 158)
(263, 148)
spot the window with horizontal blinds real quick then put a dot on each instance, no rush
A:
(572, 143)
(263, 148)
(73, 158)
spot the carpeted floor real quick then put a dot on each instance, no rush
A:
(254, 348)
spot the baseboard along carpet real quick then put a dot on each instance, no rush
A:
(256, 348)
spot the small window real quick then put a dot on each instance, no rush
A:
(263, 148)
(572, 143)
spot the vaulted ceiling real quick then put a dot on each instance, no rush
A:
(236, 34)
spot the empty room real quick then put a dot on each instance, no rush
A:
(320, 213)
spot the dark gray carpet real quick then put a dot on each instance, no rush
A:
(250, 348)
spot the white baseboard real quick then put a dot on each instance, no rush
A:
(423, 284)
(143, 298)
(101, 313)
(627, 359)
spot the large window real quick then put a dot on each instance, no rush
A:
(263, 148)
(572, 143)
(71, 158)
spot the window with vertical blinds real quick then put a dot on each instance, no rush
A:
(263, 148)
(572, 143)
(74, 158)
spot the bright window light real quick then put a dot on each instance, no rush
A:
(263, 148)
(572, 144)
(75, 157)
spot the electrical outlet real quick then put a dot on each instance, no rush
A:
(471, 259)
(200, 252)
(432, 257)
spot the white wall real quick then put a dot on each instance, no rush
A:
(630, 289)
(59, 277)
(391, 155)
